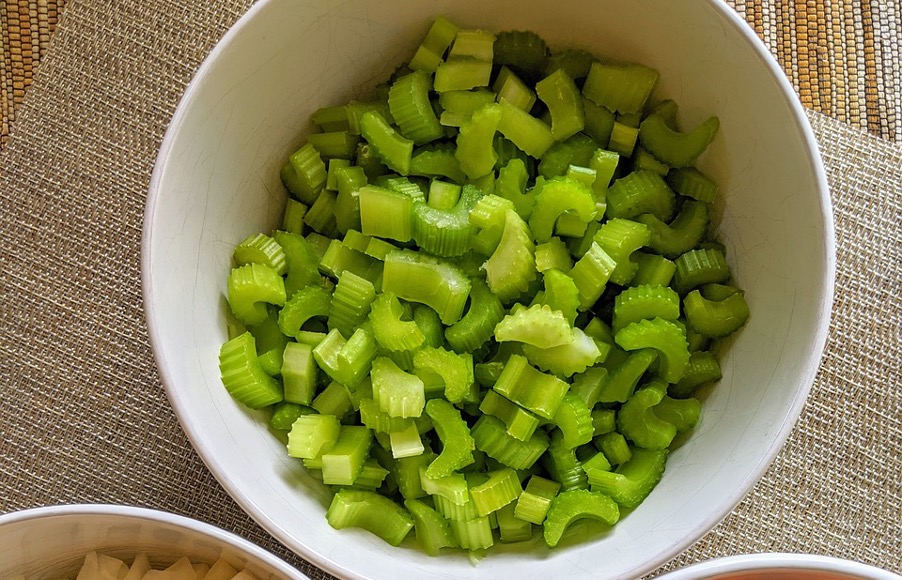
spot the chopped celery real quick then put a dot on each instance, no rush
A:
(633, 480)
(478, 323)
(457, 444)
(520, 423)
(715, 318)
(475, 150)
(417, 277)
(433, 532)
(250, 288)
(572, 505)
(491, 438)
(370, 511)
(454, 370)
(534, 502)
(510, 527)
(620, 88)
(532, 389)
(567, 359)
(556, 196)
(397, 393)
(672, 147)
(502, 487)
(538, 325)
(637, 421)
(667, 337)
(512, 266)
(243, 376)
(560, 95)
(343, 462)
(313, 435)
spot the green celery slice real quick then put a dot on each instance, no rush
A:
(665, 336)
(285, 414)
(335, 400)
(715, 318)
(406, 442)
(632, 481)
(511, 528)
(574, 419)
(698, 267)
(520, 423)
(538, 325)
(305, 174)
(475, 150)
(302, 262)
(570, 506)
(619, 238)
(509, 87)
(524, 51)
(473, 534)
(703, 368)
(652, 270)
(553, 254)
(457, 443)
(681, 235)
(433, 532)
(529, 134)
(461, 74)
(261, 249)
(452, 488)
(566, 359)
(417, 277)
(389, 146)
(591, 273)
(477, 325)
(298, 373)
(621, 88)
(430, 52)
(588, 384)
(293, 217)
(391, 332)
(397, 393)
(343, 462)
(691, 182)
(250, 288)
(615, 448)
(640, 192)
(564, 102)
(351, 301)
(369, 511)
(501, 488)
(681, 413)
(242, 375)
(530, 388)
(512, 266)
(313, 435)
(533, 504)
(563, 466)
(455, 370)
(637, 421)
(556, 196)
(491, 437)
(307, 303)
(385, 213)
(408, 101)
(561, 292)
(644, 302)
(672, 147)
(625, 375)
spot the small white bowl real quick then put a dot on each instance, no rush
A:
(216, 181)
(51, 542)
(780, 567)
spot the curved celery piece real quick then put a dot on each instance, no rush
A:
(406, 471)
(599, 122)
(334, 145)
(406, 442)
(529, 134)
(520, 423)
(379, 421)
(339, 257)
(564, 102)
(556, 196)
(321, 215)
(429, 54)
(672, 147)
(538, 325)
(511, 185)
(306, 303)
(445, 232)
(561, 293)
(512, 266)
(270, 343)
(351, 301)
(457, 443)
(478, 323)
(369, 511)
(603, 421)
(574, 419)
(389, 146)
(509, 87)
(393, 333)
(637, 193)
(622, 88)
(620, 238)
(577, 150)
(284, 415)
(346, 361)
(575, 62)
(591, 273)
(681, 413)
(455, 370)
(397, 393)
(261, 249)
(562, 464)
(641, 302)
(242, 375)
(645, 161)
(488, 216)
(533, 504)
(588, 384)
(698, 267)
(623, 378)
(501, 488)
(418, 277)
(461, 73)
(312, 435)
(250, 288)
(475, 150)
(442, 194)
(615, 448)
(690, 182)
(430, 325)
(713, 318)
(632, 481)
(530, 388)
(684, 233)
(522, 50)
(433, 532)
(567, 359)
(293, 218)
(305, 174)
(637, 421)
(386, 213)
(343, 462)
(667, 337)
(577, 504)
(436, 162)
(492, 439)
(652, 270)
(349, 180)
(553, 254)
(511, 528)
(408, 101)
(703, 368)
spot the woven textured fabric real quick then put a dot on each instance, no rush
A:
(85, 419)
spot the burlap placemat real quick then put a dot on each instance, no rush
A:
(84, 417)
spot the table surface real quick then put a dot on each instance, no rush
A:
(835, 489)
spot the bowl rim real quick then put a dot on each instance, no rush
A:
(807, 374)
(246, 547)
(781, 560)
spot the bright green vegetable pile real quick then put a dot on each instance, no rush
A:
(505, 300)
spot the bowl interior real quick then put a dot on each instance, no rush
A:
(216, 182)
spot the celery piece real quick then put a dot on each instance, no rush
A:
(389, 146)
(343, 462)
(298, 373)
(523, 51)
(698, 267)
(569, 506)
(532, 505)
(418, 277)
(461, 74)
(330, 118)
(346, 361)
(452, 487)
(624, 376)
(488, 216)
(681, 413)
(336, 166)
(703, 368)
(261, 249)
(391, 332)
(511, 528)
(597, 461)
(561, 293)
(455, 371)
(430, 52)
(501, 488)
(379, 421)
(465, 102)
(491, 437)
(632, 481)
(644, 302)
(605, 164)
(333, 400)
(562, 465)
(683, 234)
(637, 421)
(334, 145)
(556, 196)
(270, 343)
(408, 101)
(532, 389)
(457, 443)
(378, 249)
(691, 182)
(348, 180)
(321, 215)
(472, 43)
(307, 303)
(623, 88)
(250, 288)
(652, 270)
(436, 161)
(531, 135)
(574, 419)
(553, 254)
(538, 325)
(599, 121)
(475, 150)
(511, 185)
(715, 318)
(351, 301)
(567, 359)
(355, 112)
(386, 213)
(407, 472)
(623, 139)
(478, 323)
(638, 193)
(284, 415)
(397, 393)
(402, 185)
(665, 336)
(443, 195)
(587, 385)
(473, 534)
(575, 62)
(242, 375)
(302, 262)
(576, 150)
(509, 87)
(564, 102)
(406, 442)
(591, 273)
(672, 147)
(520, 423)
(433, 532)
(512, 265)
(293, 217)
(372, 475)
(313, 435)
(430, 325)
(599, 330)
(340, 258)
(645, 161)
(619, 238)
(615, 448)
(579, 246)
(369, 511)
(305, 174)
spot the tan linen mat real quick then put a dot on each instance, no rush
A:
(84, 417)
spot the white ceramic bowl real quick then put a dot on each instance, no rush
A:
(51, 542)
(216, 182)
(780, 567)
